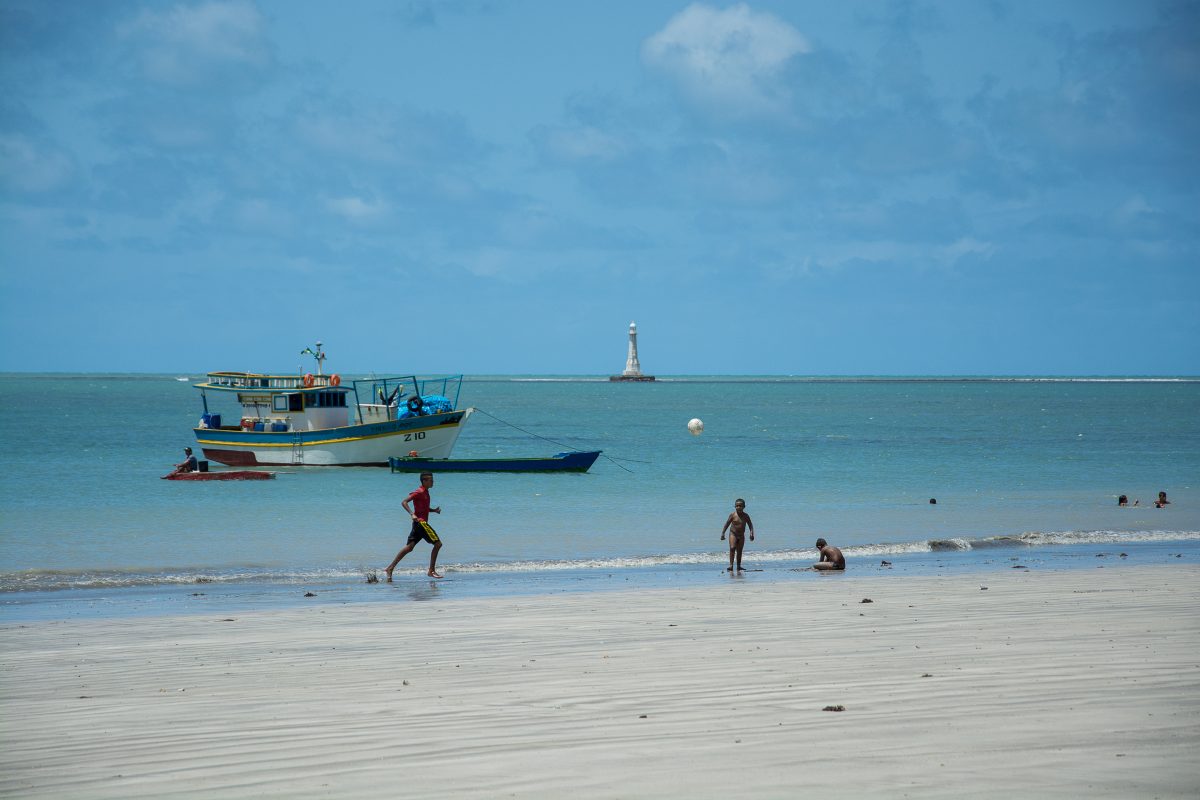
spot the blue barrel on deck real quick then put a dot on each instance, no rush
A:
(258, 426)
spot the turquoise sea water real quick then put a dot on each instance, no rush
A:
(1025, 472)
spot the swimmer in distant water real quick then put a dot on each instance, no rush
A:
(736, 524)
(831, 557)
(1162, 501)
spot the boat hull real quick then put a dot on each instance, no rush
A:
(367, 445)
(231, 475)
(563, 462)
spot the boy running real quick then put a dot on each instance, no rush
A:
(421, 529)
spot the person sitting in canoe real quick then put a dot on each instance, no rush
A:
(188, 464)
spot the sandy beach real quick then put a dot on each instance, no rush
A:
(1044, 684)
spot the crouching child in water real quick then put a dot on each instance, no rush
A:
(831, 557)
(736, 524)
(421, 529)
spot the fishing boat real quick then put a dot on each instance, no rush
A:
(321, 420)
(562, 462)
(226, 475)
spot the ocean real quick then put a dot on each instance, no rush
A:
(1026, 474)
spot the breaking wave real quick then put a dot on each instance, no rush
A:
(57, 580)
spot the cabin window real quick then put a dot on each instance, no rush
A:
(330, 399)
(279, 402)
(295, 402)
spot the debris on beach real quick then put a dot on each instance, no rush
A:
(1020, 566)
(885, 563)
(834, 708)
(309, 594)
(927, 675)
(983, 588)
(372, 577)
(867, 600)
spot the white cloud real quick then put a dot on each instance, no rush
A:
(579, 143)
(186, 45)
(355, 209)
(838, 256)
(29, 166)
(1133, 209)
(952, 253)
(259, 216)
(728, 60)
(367, 131)
(365, 138)
(488, 262)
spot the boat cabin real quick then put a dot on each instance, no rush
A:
(282, 403)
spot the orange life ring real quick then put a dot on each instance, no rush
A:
(309, 380)
(335, 380)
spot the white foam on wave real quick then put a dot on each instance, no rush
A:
(57, 580)
(1105, 537)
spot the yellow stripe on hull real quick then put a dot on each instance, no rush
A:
(317, 443)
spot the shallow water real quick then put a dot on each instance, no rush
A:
(1030, 464)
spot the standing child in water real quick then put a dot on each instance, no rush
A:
(736, 524)
(421, 529)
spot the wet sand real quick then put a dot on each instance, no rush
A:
(1044, 684)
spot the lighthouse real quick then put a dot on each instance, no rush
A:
(633, 368)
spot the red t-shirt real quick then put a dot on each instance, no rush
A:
(420, 502)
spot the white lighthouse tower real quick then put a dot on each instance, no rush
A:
(633, 368)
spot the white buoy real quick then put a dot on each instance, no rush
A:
(695, 427)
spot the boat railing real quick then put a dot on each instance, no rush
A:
(379, 398)
(376, 399)
(447, 385)
(248, 380)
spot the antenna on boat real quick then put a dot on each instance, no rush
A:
(319, 355)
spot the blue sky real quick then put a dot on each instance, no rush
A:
(501, 187)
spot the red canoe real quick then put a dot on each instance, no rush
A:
(228, 475)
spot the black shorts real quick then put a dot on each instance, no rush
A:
(422, 530)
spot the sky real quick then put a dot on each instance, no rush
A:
(766, 188)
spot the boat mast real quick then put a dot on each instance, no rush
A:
(319, 355)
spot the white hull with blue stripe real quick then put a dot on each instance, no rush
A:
(317, 420)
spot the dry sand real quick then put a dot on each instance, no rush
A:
(1047, 684)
